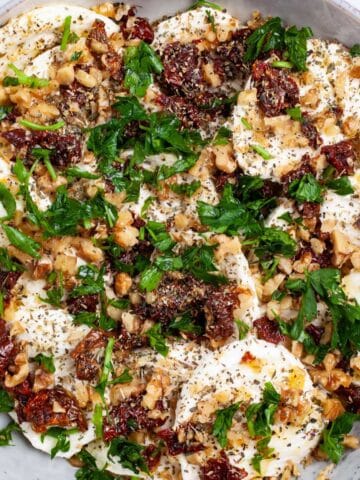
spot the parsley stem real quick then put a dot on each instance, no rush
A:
(50, 169)
(282, 64)
(35, 126)
(28, 81)
(246, 124)
(66, 33)
(262, 152)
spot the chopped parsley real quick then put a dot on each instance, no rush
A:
(107, 367)
(130, 454)
(6, 434)
(62, 439)
(355, 50)
(23, 79)
(223, 422)
(306, 189)
(89, 470)
(36, 126)
(140, 63)
(68, 36)
(21, 241)
(333, 435)
(186, 189)
(46, 362)
(157, 340)
(6, 402)
(273, 36)
(243, 329)
(8, 202)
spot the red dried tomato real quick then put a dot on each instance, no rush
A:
(221, 469)
(219, 307)
(276, 90)
(268, 330)
(341, 156)
(84, 355)
(42, 410)
(7, 348)
(174, 446)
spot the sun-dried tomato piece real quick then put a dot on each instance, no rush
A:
(222, 178)
(310, 210)
(182, 68)
(17, 137)
(219, 308)
(310, 132)
(276, 89)
(84, 354)
(152, 454)
(174, 295)
(65, 149)
(228, 57)
(221, 469)
(315, 331)
(341, 156)
(350, 397)
(7, 348)
(136, 28)
(7, 283)
(54, 407)
(268, 330)
(131, 341)
(85, 303)
(129, 416)
(175, 447)
(185, 110)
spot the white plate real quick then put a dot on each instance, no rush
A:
(329, 19)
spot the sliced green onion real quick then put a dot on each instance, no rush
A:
(35, 126)
(262, 152)
(246, 124)
(282, 64)
(66, 33)
(26, 80)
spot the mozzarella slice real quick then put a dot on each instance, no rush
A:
(194, 25)
(227, 376)
(27, 36)
(77, 440)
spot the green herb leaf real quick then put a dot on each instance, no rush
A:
(46, 362)
(8, 201)
(187, 189)
(6, 402)
(76, 56)
(355, 50)
(36, 126)
(341, 186)
(243, 329)
(98, 420)
(274, 241)
(125, 377)
(295, 114)
(92, 281)
(68, 37)
(260, 416)
(157, 340)
(246, 124)
(27, 81)
(77, 172)
(130, 454)
(333, 436)
(6, 434)
(222, 136)
(306, 189)
(296, 46)
(21, 241)
(282, 64)
(140, 63)
(199, 261)
(159, 237)
(205, 3)
(223, 422)
(262, 152)
(269, 36)
(107, 367)
(89, 470)
(185, 323)
(44, 154)
(62, 439)
(256, 462)
(4, 111)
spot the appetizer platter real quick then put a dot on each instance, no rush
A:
(179, 243)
